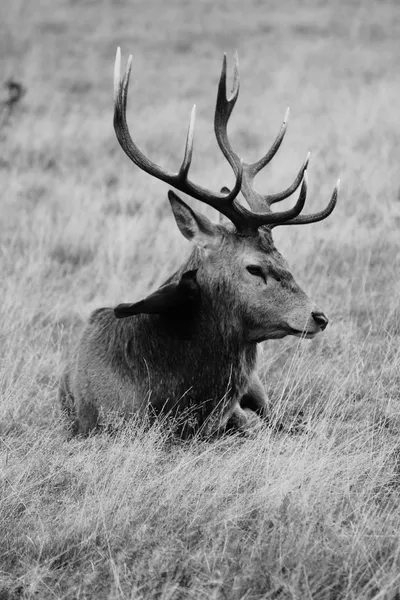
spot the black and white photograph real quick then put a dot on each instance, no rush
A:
(200, 300)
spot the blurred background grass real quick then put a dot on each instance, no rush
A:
(82, 227)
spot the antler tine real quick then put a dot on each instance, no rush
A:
(121, 126)
(231, 101)
(223, 111)
(125, 81)
(224, 203)
(272, 198)
(187, 159)
(282, 217)
(271, 219)
(319, 216)
(260, 164)
(117, 74)
(236, 80)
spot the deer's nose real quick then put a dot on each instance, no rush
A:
(320, 319)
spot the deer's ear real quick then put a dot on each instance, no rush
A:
(195, 227)
(179, 296)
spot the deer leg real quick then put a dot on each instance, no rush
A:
(88, 420)
(256, 398)
(234, 419)
(87, 414)
(237, 420)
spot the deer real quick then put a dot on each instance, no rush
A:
(189, 350)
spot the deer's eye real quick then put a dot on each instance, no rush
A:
(256, 271)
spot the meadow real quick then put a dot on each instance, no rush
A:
(307, 510)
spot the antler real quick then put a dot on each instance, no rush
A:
(257, 201)
(224, 203)
(227, 204)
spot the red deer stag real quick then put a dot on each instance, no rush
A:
(191, 347)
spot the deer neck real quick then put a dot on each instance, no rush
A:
(213, 321)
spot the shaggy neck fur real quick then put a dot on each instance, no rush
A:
(198, 359)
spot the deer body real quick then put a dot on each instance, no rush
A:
(191, 347)
(165, 374)
(170, 363)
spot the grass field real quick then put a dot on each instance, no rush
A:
(311, 512)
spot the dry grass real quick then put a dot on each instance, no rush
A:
(311, 512)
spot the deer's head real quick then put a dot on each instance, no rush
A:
(238, 269)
